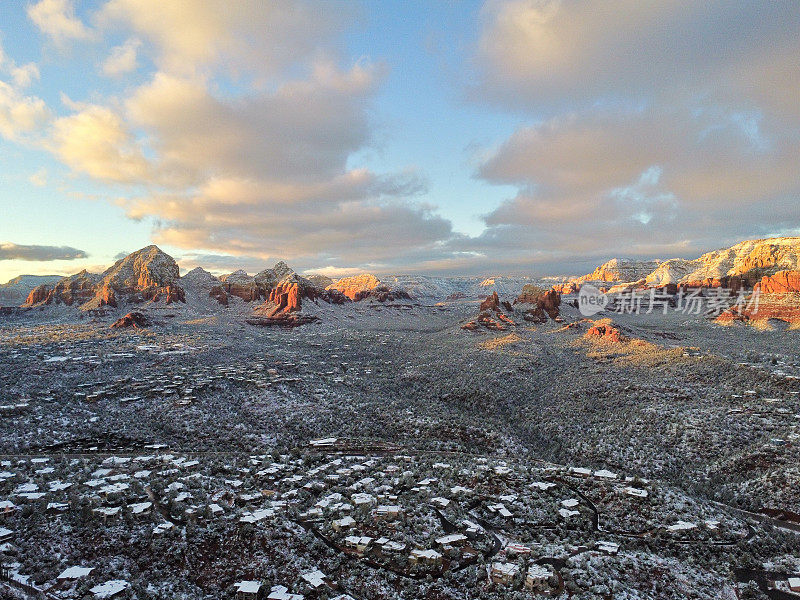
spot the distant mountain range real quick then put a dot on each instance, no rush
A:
(151, 275)
(742, 265)
(16, 290)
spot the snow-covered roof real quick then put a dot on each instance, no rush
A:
(451, 538)
(315, 578)
(75, 572)
(248, 587)
(110, 588)
(505, 568)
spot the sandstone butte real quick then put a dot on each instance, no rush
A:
(357, 286)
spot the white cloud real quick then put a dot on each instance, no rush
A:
(39, 179)
(98, 142)
(653, 128)
(550, 55)
(122, 60)
(56, 19)
(20, 114)
(615, 182)
(23, 76)
(253, 34)
(260, 172)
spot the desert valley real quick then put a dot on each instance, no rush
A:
(282, 436)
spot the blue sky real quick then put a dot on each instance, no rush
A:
(517, 136)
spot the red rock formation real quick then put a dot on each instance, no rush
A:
(75, 289)
(286, 298)
(147, 274)
(219, 295)
(135, 320)
(357, 287)
(106, 297)
(734, 282)
(782, 282)
(546, 300)
(535, 315)
(605, 332)
(38, 294)
(169, 294)
(490, 303)
(571, 287)
(761, 308)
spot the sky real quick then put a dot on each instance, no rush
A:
(535, 137)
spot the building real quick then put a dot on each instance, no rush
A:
(248, 590)
(315, 578)
(109, 589)
(387, 512)
(537, 578)
(425, 557)
(453, 539)
(503, 573)
(517, 550)
(359, 543)
(343, 524)
(281, 592)
(74, 573)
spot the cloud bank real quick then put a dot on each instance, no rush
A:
(11, 251)
(649, 129)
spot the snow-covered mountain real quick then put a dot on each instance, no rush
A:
(14, 291)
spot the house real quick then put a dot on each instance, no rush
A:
(608, 547)
(323, 443)
(605, 474)
(74, 573)
(281, 592)
(794, 584)
(388, 546)
(141, 508)
(453, 539)
(636, 492)
(315, 578)
(343, 524)
(7, 507)
(109, 589)
(580, 471)
(567, 514)
(248, 590)
(537, 578)
(425, 557)
(387, 512)
(5, 534)
(503, 573)
(681, 526)
(358, 543)
(517, 550)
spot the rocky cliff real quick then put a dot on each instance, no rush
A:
(741, 265)
(621, 269)
(148, 274)
(357, 286)
(77, 289)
